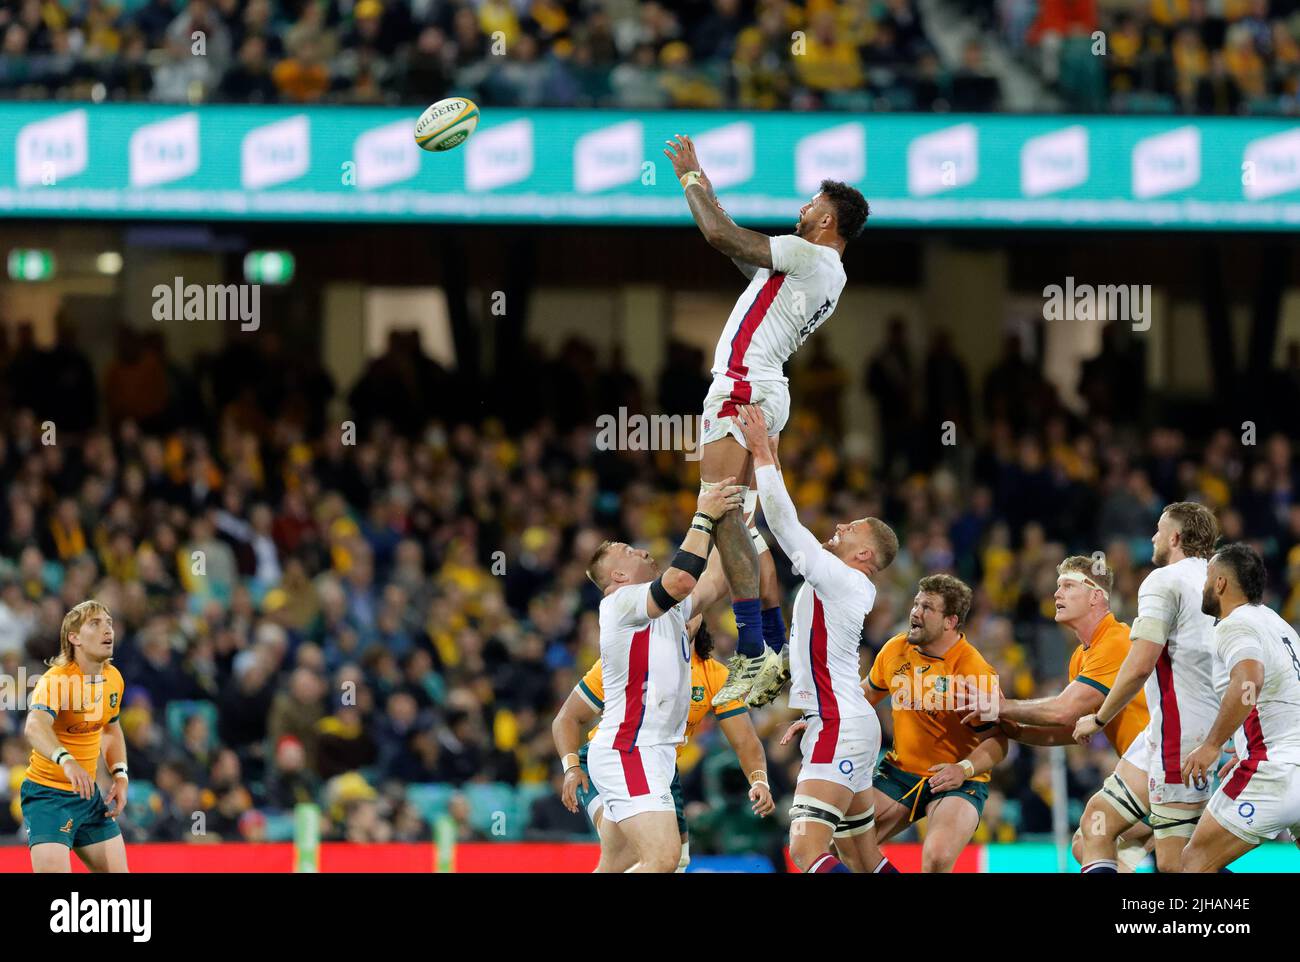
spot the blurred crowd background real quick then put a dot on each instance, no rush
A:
(1141, 56)
(382, 614)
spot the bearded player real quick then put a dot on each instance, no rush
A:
(72, 717)
(1258, 797)
(1172, 655)
(795, 283)
(832, 797)
(1082, 602)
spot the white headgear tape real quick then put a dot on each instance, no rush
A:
(1083, 579)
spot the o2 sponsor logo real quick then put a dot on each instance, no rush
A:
(846, 766)
(1247, 811)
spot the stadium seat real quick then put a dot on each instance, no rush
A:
(279, 828)
(1083, 76)
(524, 798)
(140, 804)
(430, 799)
(486, 800)
(179, 712)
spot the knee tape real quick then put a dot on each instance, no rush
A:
(751, 503)
(760, 543)
(851, 825)
(686, 857)
(1129, 807)
(807, 808)
(1167, 821)
(1131, 853)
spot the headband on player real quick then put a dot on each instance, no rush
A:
(1083, 579)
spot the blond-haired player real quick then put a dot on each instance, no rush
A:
(1082, 602)
(1172, 655)
(72, 715)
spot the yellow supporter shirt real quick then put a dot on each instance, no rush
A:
(81, 706)
(1097, 664)
(707, 678)
(926, 731)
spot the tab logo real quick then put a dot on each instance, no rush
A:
(1273, 164)
(164, 151)
(943, 160)
(275, 153)
(839, 153)
(1055, 161)
(1167, 162)
(499, 155)
(386, 155)
(727, 153)
(607, 157)
(56, 145)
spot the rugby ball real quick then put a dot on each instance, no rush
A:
(446, 124)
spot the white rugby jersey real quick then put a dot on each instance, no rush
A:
(826, 625)
(779, 310)
(1183, 692)
(646, 666)
(1271, 731)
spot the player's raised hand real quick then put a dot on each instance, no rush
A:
(1199, 765)
(115, 803)
(1085, 728)
(82, 783)
(721, 498)
(793, 730)
(761, 796)
(574, 777)
(945, 778)
(681, 151)
(753, 425)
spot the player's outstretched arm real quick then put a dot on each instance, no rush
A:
(1066, 708)
(722, 233)
(798, 543)
(1133, 674)
(688, 565)
(1044, 735)
(711, 587)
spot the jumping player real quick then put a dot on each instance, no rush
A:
(73, 715)
(1259, 796)
(645, 659)
(1082, 601)
(795, 283)
(833, 792)
(1172, 654)
(587, 701)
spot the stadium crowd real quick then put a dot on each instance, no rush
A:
(386, 627)
(1197, 56)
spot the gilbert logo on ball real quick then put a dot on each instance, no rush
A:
(446, 124)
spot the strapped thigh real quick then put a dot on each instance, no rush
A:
(807, 808)
(1167, 821)
(851, 825)
(1128, 805)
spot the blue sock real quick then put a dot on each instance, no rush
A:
(1226, 871)
(749, 627)
(1103, 866)
(826, 864)
(774, 628)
